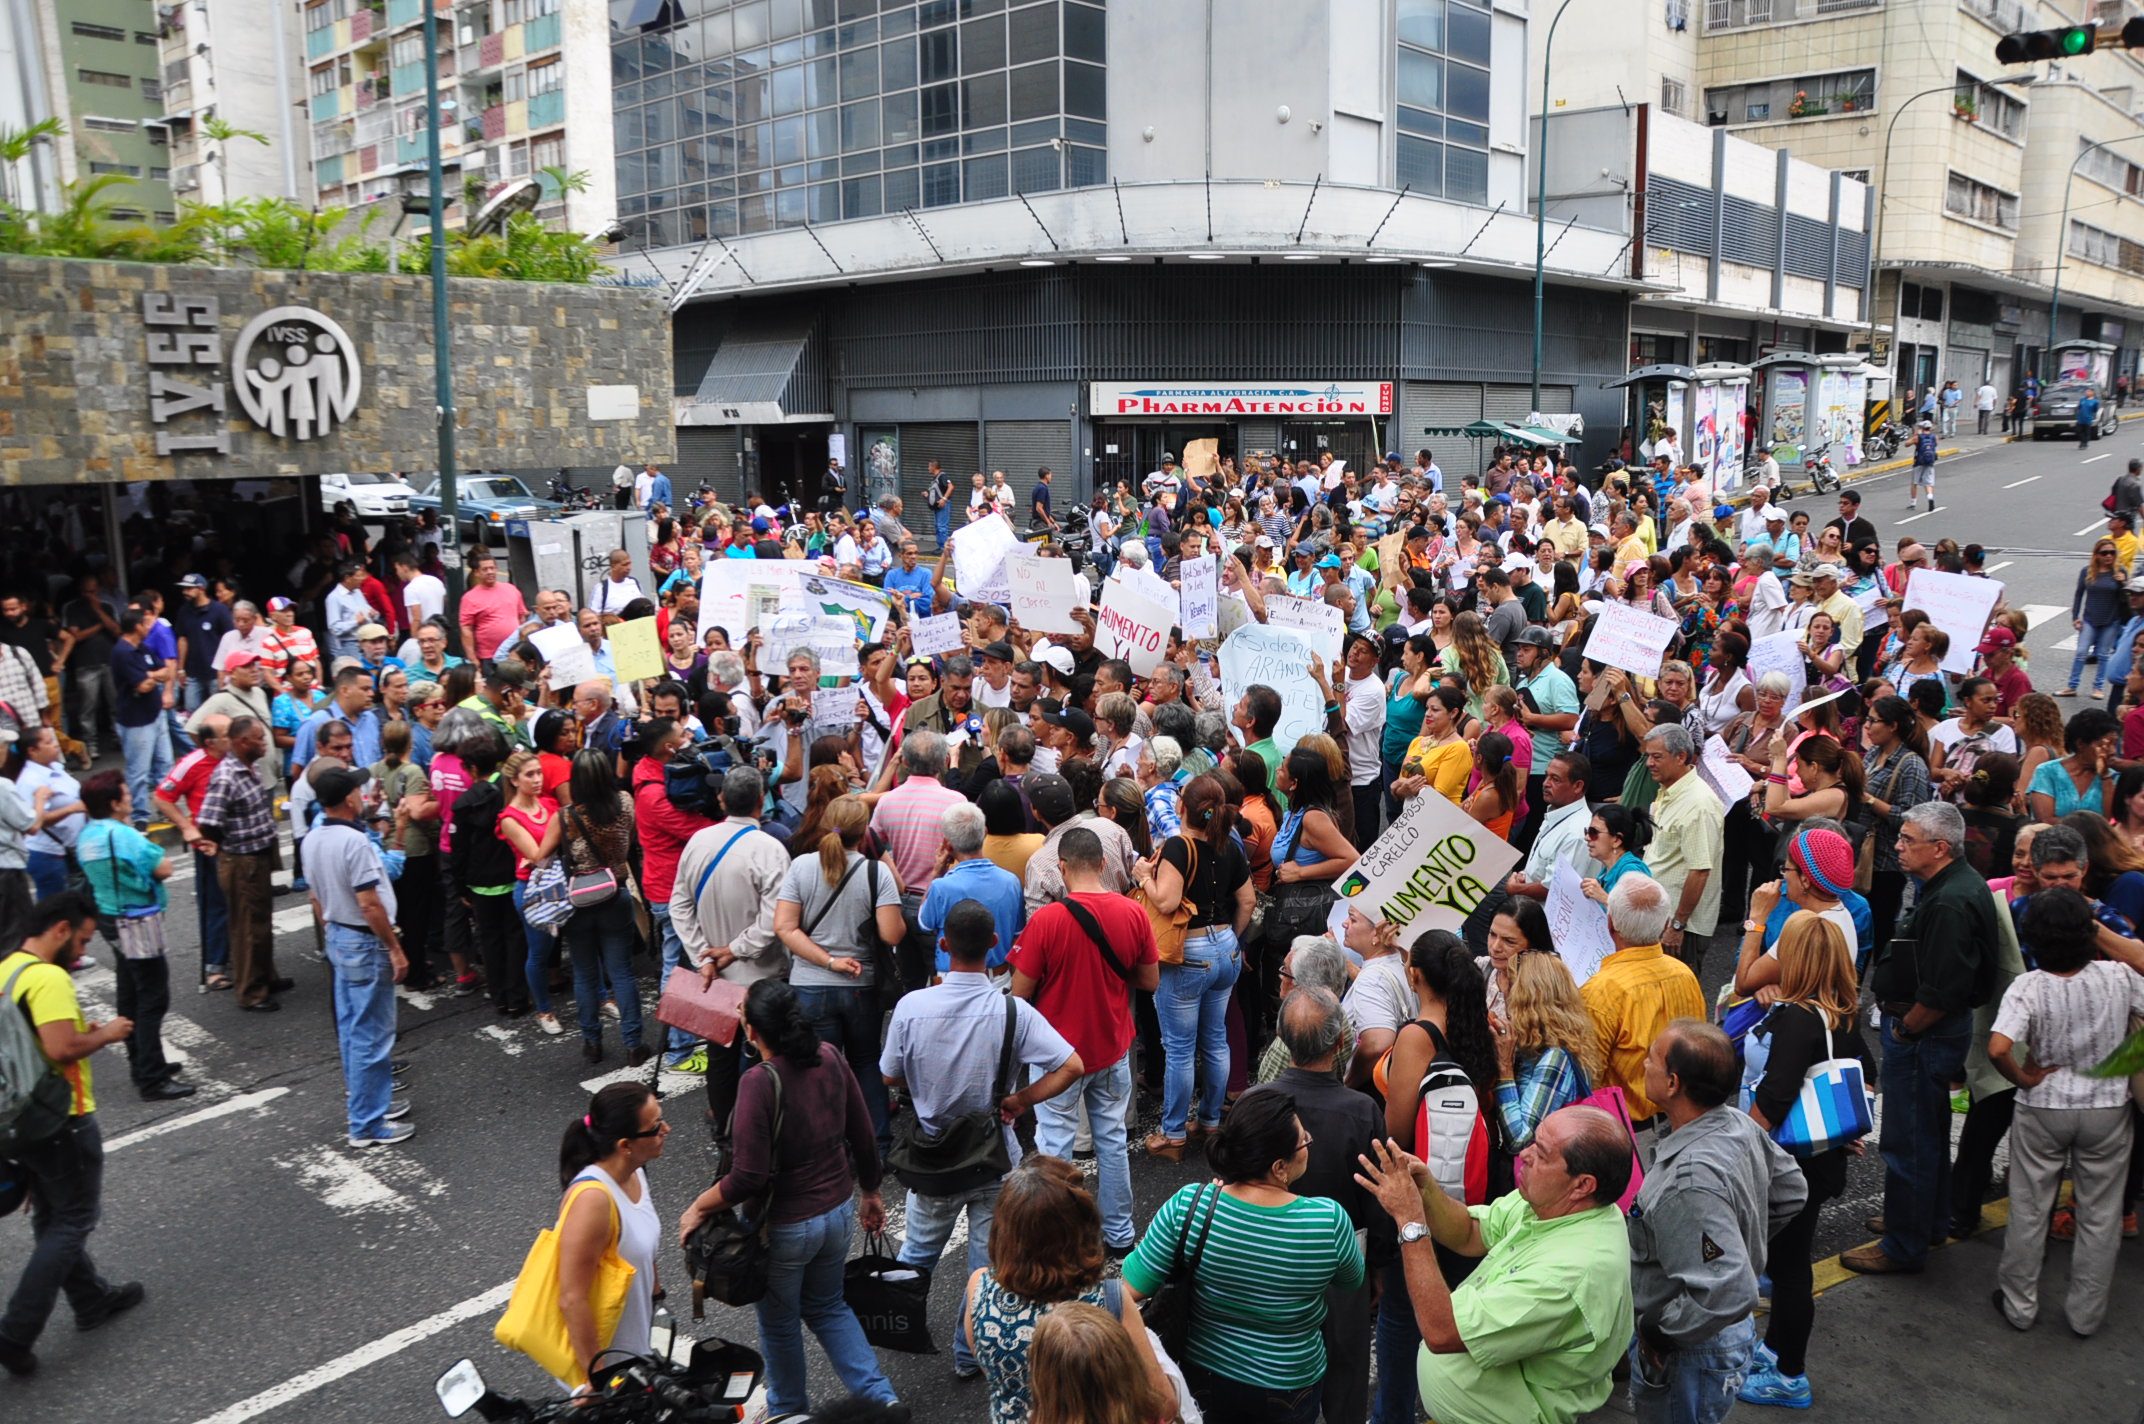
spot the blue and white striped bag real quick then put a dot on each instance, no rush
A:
(1833, 1109)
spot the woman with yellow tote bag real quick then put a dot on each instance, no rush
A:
(589, 1282)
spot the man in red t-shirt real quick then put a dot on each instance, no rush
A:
(491, 611)
(1078, 961)
(177, 798)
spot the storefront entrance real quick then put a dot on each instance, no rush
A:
(1125, 453)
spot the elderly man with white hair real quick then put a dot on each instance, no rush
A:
(1638, 990)
(965, 873)
(1689, 839)
(1155, 772)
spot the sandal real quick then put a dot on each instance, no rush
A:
(216, 981)
(2067, 692)
(1171, 1148)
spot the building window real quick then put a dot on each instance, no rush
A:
(321, 81)
(159, 175)
(543, 78)
(1916, 302)
(408, 49)
(105, 77)
(514, 87)
(549, 151)
(99, 32)
(124, 170)
(1969, 198)
(152, 90)
(319, 17)
(2107, 249)
(2110, 169)
(102, 125)
(1673, 96)
(1443, 88)
(1809, 96)
(1988, 106)
(144, 37)
(1737, 14)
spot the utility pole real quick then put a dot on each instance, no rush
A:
(450, 521)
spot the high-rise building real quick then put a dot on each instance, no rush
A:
(94, 65)
(237, 62)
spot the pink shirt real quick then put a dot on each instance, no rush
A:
(495, 613)
(449, 780)
(908, 823)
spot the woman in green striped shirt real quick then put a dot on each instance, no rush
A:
(1262, 1259)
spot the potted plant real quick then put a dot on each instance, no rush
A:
(1846, 102)
(1966, 107)
(1799, 105)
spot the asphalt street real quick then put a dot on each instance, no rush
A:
(291, 1278)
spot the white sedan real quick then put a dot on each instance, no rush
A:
(372, 496)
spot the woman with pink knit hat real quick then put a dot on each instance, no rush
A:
(1818, 876)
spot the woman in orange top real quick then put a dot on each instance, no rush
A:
(1261, 815)
(1498, 797)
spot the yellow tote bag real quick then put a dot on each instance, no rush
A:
(533, 1323)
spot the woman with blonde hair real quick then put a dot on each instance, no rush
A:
(1476, 658)
(2037, 721)
(835, 974)
(827, 782)
(1812, 1021)
(1084, 1369)
(1548, 1054)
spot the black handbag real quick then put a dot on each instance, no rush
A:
(727, 1256)
(1167, 1312)
(891, 1299)
(971, 1152)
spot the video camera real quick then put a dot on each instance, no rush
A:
(692, 779)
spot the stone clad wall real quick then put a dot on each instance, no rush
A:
(76, 373)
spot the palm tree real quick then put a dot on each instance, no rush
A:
(16, 145)
(223, 133)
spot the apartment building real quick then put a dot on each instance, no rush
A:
(94, 65)
(524, 93)
(238, 62)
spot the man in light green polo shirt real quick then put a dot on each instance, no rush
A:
(1533, 1334)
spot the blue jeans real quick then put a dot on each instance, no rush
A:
(212, 915)
(48, 873)
(148, 753)
(2094, 639)
(849, 1019)
(364, 1025)
(943, 517)
(1193, 1004)
(930, 1223)
(600, 941)
(804, 1287)
(680, 1042)
(537, 971)
(66, 1179)
(1699, 1385)
(1108, 1095)
(1916, 1133)
(1224, 1398)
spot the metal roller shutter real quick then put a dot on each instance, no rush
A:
(1019, 448)
(1427, 405)
(1512, 404)
(706, 454)
(955, 448)
(1252, 435)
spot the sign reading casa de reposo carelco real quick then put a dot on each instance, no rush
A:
(294, 372)
(1131, 399)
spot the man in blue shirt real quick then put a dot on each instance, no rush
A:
(138, 690)
(2087, 418)
(2118, 662)
(659, 491)
(966, 874)
(1425, 468)
(911, 582)
(350, 704)
(1548, 706)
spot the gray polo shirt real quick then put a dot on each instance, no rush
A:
(339, 862)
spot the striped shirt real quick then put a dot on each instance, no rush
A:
(2070, 1022)
(1550, 1080)
(908, 823)
(1258, 1295)
(237, 807)
(284, 646)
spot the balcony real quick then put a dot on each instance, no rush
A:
(362, 23)
(542, 33)
(491, 50)
(337, 136)
(547, 109)
(186, 178)
(179, 97)
(374, 125)
(495, 122)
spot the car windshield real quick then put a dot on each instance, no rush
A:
(2069, 394)
(495, 487)
(359, 477)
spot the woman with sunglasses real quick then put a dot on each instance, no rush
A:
(1614, 839)
(2098, 610)
(608, 1148)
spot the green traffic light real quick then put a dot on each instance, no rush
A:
(2077, 40)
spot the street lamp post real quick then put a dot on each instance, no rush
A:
(2062, 239)
(1541, 201)
(442, 363)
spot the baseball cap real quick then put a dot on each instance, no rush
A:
(1265, 541)
(1535, 636)
(193, 581)
(2135, 585)
(1051, 797)
(1996, 638)
(369, 631)
(1802, 578)
(1723, 511)
(1828, 571)
(333, 785)
(1391, 455)
(1330, 561)
(1515, 562)
(239, 657)
(1000, 650)
(760, 524)
(1167, 458)
(1773, 514)
(1600, 529)
(1078, 723)
(1058, 658)
(279, 603)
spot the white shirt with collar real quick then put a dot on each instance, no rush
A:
(1563, 830)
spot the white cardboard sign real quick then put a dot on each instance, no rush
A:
(570, 660)
(1578, 927)
(1630, 639)
(1323, 626)
(1429, 870)
(1200, 580)
(979, 552)
(1278, 658)
(1133, 627)
(1959, 604)
(940, 633)
(1044, 592)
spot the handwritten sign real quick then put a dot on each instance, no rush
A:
(1630, 639)
(1726, 776)
(635, 650)
(1044, 591)
(731, 597)
(1256, 655)
(940, 633)
(1959, 604)
(1235, 613)
(569, 660)
(1780, 653)
(1323, 626)
(1200, 579)
(1133, 627)
(979, 553)
(1148, 583)
(1429, 870)
(1578, 927)
(833, 707)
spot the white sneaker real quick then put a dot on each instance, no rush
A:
(394, 1134)
(610, 1010)
(397, 1109)
(550, 1025)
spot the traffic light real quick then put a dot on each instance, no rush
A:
(2068, 42)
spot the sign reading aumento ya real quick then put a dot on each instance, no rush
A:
(1329, 399)
(295, 371)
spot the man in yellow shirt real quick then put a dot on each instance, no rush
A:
(1638, 990)
(57, 1144)
(1629, 547)
(1566, 531)
(2125, 542)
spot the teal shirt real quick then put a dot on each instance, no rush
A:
(120, 863)
(1553, 692)
(1621, 868)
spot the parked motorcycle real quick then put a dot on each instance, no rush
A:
(1816, 463)
(570, 497)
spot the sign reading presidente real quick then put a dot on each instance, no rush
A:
(1341, 398)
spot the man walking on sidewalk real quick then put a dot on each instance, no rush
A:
(354, 898)
(1984, 404)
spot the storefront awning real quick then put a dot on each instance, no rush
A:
(1663, 372)
(1479, 430)
(1535, 435)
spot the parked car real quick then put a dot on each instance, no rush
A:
(2056, 413)
(372, 496)
(484, 501)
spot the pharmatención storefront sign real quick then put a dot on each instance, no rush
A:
(1299, 400)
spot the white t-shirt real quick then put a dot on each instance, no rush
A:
(1364, 708)
(2070, 1023)
(428, 594)
(1840, 916)
(988, 696)
(643, 484)
(1948, 733)
(613, 595)
(622, 477)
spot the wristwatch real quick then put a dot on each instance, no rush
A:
(1412, 1232)
(1752, 927)
(1676, 925)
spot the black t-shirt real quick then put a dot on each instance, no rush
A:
(203, 629)
(93, 649)
(34, 636)
(1042, 497)
(1212, 887)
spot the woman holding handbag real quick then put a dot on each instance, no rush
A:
(1197, 891)
(126, 873)
(609, 1147)
(803, 1145)
(529, 824)
(596, 843)
(1811, 1023)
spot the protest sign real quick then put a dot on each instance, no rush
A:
(1202, 459)
(831, 638)
(1430, 869)
(1780, 653)
(1201, 581)
(1323, 626)
(569, 659)
(635, 650)
(833, 707)
(979, 552)
(1630, 639)
(1234, 614)
(730, 597)
(940, 633)
(1578, 927)
(1044, 592)
(1959, 604)
(1149, 584)
(1133, 627)
(1392, 561)
(1728, 778)
(1278, 658)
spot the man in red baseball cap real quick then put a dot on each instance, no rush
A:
(1998, 652)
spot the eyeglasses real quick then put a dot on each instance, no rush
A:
(1594, 833)
(658, 1130)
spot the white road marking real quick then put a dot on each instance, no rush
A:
(1912, 518)
(422, 1002)
(243, 1103)
(363, 1357)
(2095, 524)
(2090, 460)
(2038, 613)
(504, 1037)
(1992, 568)
(2012, 485)
(293, 918)
(670, 1084)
